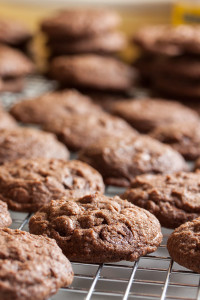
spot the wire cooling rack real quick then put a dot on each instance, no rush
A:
(154, 276)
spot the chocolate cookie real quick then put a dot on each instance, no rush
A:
(52, 106)
(108, 42)
(79, 131)
(6, 120)
(80, 23)
(28, 184)
(183, 245)
(92, 71)
(119, 159)
(5, 219)
(31, 267)
(29, 143)
(105, 229)
(179, 88)
(173, 199)
(14, 65)
(147, 114)
(183, 67)
(14, 33)
(184, 137)
(168, 40)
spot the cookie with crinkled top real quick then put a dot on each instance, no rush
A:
(28, 184)
(29, 143)
(119, 159)
(183, 245)
(105, 229)
(31, 267)
(172, 198)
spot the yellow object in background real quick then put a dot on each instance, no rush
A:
(186, 12)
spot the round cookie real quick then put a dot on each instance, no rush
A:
(147, 114)
(13, 33)
(108, 42)
(28, 184)
(53, 105)
(98, 229)
(79, 131)
(168, 40)
(183, 67)
(172, 198)
(80, 23)
(14, 63)
(183, 245)
(6, 120)
(92, 71)
(119, 159)
(29, 143)
(31, 267)
(5, 219)
(179, 88)
(183, 137)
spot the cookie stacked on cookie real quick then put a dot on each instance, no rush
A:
(170, 59)
(83, 31)
(83, 44)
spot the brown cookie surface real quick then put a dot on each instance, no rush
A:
(13, 63)
(29, 143)
(5, 219)
(53, 105)
(31, 267)
(119, 159)
(105, 229)
(184, 137)
(13, 32)
(177, 88)
(172, 198)
(28, 184)
(183, 245)
(6, 120)
(92, 71)
(79, 23)
(169, 40)
(147, 114)
(79, 131)
(108, 42)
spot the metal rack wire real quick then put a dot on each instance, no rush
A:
(154, 276)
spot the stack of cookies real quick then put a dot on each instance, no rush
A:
(83, 31)
(83, 44)
(170, 59)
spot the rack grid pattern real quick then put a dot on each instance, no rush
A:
(152, 277)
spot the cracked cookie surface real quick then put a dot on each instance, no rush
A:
(98, 229)
(31, 267)
(28, 184)
(174, 198)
